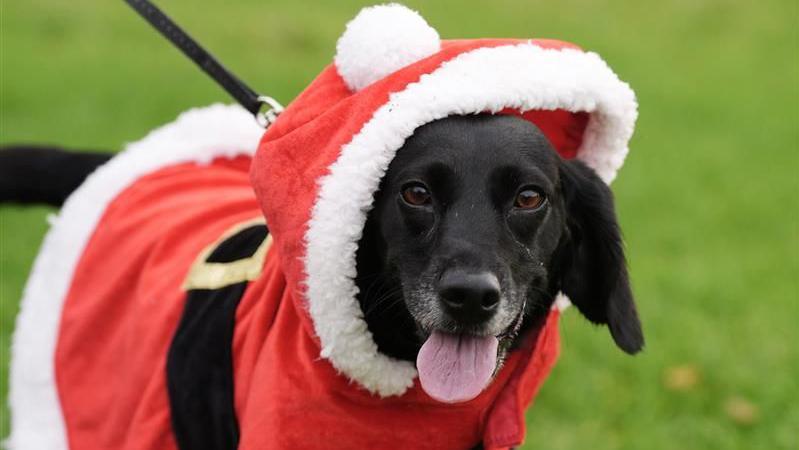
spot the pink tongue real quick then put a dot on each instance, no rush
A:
(456, 368)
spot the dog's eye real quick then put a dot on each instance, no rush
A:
(416, 194)
(528, 198)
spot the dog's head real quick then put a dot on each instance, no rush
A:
(476, 227)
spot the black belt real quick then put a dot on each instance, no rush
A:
(264, 108)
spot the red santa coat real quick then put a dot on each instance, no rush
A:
(100, 329)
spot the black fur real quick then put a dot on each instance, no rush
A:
(595, 271)
(38, 174)
(473, 166)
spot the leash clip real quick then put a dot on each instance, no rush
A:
(267, 116)
(248, 98)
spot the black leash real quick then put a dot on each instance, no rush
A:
(264, 108)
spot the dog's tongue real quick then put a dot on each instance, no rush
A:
(455, 368)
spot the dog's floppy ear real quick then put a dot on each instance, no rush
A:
(594, 271)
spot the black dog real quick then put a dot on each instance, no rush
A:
(477, 225)
(479, 221)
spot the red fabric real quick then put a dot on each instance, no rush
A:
(505, 424)
(563, 129)
(125, 301)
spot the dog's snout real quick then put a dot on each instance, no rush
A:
(469, 297)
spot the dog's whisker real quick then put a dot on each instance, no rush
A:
(379, 302)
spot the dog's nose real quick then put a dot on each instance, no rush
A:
(469, 297)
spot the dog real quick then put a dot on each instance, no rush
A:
(453, 235)
(455, 232)
(429, 206)
(449, 246)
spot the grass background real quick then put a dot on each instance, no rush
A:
(707, 199)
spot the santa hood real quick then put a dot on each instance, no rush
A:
(318, 167)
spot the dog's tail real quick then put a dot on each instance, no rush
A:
(41, 174)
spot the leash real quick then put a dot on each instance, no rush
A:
(264, 108)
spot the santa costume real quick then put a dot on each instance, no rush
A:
(198, 290)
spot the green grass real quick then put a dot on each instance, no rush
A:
(707, 199)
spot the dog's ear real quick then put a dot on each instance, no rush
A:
(594, 271)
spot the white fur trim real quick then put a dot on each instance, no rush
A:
(198, 135)
(561, 302)
(381, 40)
(523, 77)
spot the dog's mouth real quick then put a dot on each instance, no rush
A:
(456, 368)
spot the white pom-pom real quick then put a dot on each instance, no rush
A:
(381, 40)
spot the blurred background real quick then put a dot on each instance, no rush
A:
(707, 199)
